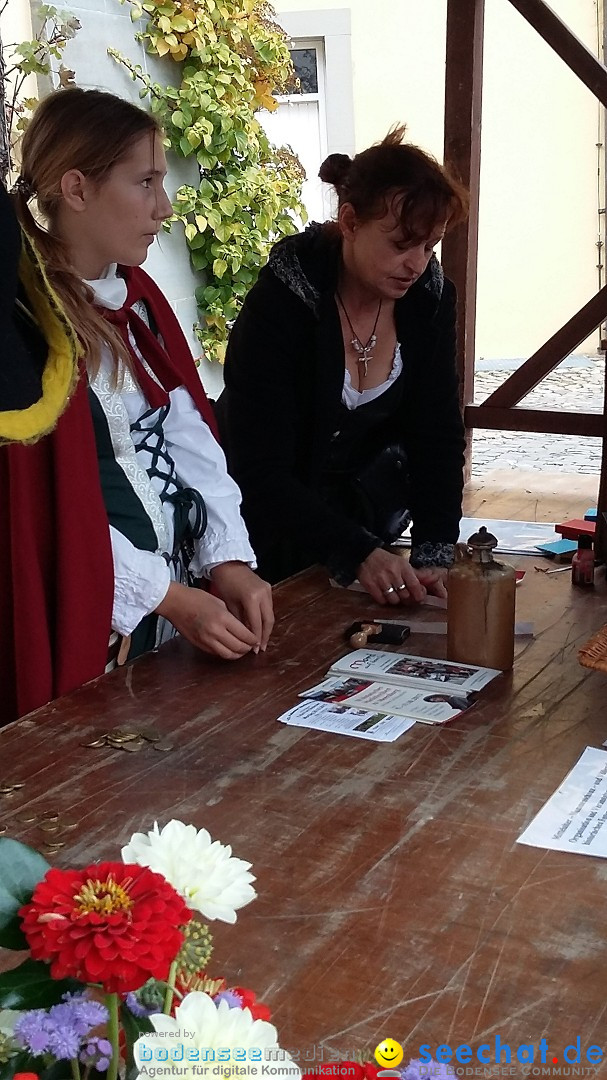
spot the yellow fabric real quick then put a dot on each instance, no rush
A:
(61, 369)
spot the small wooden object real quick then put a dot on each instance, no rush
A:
(594, 653)
(361, 634)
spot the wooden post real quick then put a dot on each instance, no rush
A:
(600, 546)
(462, 154)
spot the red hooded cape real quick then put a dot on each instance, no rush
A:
(56, 572)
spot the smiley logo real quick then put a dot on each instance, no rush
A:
(388, 1053)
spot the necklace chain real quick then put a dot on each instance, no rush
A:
(365, 353)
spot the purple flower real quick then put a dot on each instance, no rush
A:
(234, 1000)
(84, 1014)
(60, 1030)
(97, 1054)
(134, 1005)
(31, 1031)
(427, 1070)
(63, 1042)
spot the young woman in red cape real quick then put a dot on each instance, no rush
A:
(133, 492)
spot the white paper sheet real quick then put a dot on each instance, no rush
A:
(575, 818)
(514, 537)
(378, 727)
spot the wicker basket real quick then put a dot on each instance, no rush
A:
(594, 653)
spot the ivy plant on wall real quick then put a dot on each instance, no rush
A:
(233, 59)
(38, 57)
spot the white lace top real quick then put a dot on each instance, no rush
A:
(352, 398)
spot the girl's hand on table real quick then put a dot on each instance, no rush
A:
(248, 597)
(206, 622)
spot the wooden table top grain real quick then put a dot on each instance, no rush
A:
(393, 899)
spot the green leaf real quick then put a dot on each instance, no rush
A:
(199, 259)
(198, 241)
(190, 231)
(133, 1027)
(219, 267)
(30, 986)
(21, 868)
(214, 219)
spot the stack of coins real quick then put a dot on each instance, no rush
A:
(130, 740)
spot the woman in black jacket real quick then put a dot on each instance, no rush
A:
(340, 412)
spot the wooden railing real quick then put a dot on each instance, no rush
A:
(463, 106)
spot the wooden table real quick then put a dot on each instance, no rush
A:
(393, 899)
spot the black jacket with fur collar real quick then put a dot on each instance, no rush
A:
(284, 377)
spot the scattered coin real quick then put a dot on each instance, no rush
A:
(67, 826)
(18, 785)
(163, 746)
(3, 829)
(132, 746)
(50, 817)
(51, 849)
(26, 818)
(49, 826)
(151, 736)
(95, 743)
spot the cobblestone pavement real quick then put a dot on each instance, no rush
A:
(569, 389)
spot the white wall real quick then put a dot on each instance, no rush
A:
(538, 214)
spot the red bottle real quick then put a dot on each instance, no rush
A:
(582, 564)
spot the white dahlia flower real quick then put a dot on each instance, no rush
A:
(190, 1041)
(201, 870)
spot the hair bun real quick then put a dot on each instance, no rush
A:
(335, 169)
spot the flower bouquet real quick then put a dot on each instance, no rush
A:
(116, 978)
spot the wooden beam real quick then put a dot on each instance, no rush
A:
(462, 154)
(566, 44)
(600, 546)
(541, 420)
(549, 355)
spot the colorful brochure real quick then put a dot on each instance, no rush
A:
(322, 716)
(435, 705)
(420, 672)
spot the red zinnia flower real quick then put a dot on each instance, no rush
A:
(111, 924)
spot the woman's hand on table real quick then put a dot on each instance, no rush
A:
(248, 597)
(206, 622)
(434, 580)
(390, 579)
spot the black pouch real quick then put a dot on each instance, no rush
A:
(381, 490)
